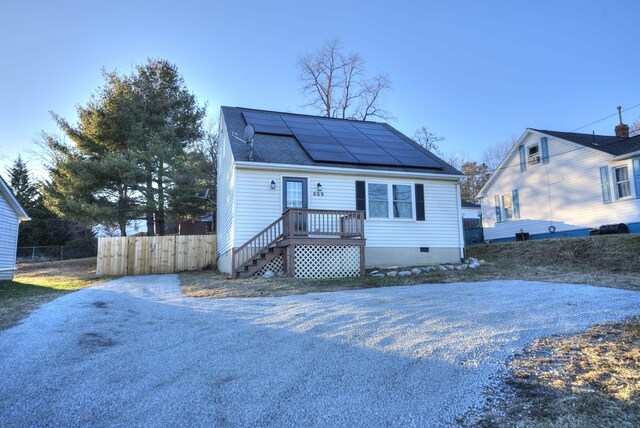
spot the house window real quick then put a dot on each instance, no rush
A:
(507, 207)
(393, 201)
(378, 200)
(623, 184)
(533, 154)
(402, 201)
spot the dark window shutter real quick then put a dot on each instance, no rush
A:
(361, 199)
(544, 148)
(636, 175)
(515, 202)
(604, 183)
(523, 158)
(498, 210)
(419, 202)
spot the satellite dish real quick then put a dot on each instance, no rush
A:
(249, 132)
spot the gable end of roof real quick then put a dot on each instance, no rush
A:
(6, 192)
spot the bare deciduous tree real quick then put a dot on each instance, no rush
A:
(476, 176)
(336, 85)
(492, 156)
(427, 139)
(635, 128)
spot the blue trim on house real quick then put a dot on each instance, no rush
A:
(633, 228)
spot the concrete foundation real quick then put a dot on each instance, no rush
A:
(410, 256)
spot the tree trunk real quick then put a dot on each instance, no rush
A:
(150, 203)
(160, 211)
(122, 215)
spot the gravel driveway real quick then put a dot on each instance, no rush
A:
(135, 352)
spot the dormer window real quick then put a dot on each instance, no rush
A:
(533, 154)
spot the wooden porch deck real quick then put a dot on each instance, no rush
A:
(300, 227)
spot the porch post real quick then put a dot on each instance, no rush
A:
(292, 260)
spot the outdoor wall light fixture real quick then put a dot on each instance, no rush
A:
(273, 185)
(319, 186)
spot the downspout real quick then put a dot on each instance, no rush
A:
(460, 229)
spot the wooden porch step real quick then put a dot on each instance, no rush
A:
(260, 261)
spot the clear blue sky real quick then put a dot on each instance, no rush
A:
(475, 72)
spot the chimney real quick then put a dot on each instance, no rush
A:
(622, 130)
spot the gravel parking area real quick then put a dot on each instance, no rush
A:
(135, 352)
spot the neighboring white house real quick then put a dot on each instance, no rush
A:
(133, 227)
(11, 214)
(558, 184)
(471, 215)
(331, 174)
(471, 210)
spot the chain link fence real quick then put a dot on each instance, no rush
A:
(56, 252)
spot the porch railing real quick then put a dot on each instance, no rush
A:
(325, 223)
(267, 238)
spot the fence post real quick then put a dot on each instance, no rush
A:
(33, 253)
(61, 252)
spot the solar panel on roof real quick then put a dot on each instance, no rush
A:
(357, 142)
(418, 162)
(332, 157)
(331, 148)
(329, 140)
(377, 160)
(366, 151)
(267, 123)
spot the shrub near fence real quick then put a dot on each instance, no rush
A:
(144, 255)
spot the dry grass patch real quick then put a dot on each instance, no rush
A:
(217, 285)
(586, 380)
(609, 261)
(37, 283)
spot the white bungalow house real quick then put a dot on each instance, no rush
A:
(11, 214)
(319, 197)
(560, 184)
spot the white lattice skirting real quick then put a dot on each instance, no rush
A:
(274, 266)
(319, 261)
(327, 261)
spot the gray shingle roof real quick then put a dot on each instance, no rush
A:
(287, 150)
(606, 143)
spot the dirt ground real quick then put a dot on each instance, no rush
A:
(604, 261)
(217, 285)
(590, 379)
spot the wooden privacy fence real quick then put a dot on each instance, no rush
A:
(144, 255)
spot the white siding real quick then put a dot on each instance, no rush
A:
(8, 238)
(225, 193)
(257, 205)
(471, 212)
(565, 192)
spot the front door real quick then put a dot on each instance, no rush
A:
(295, 196)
